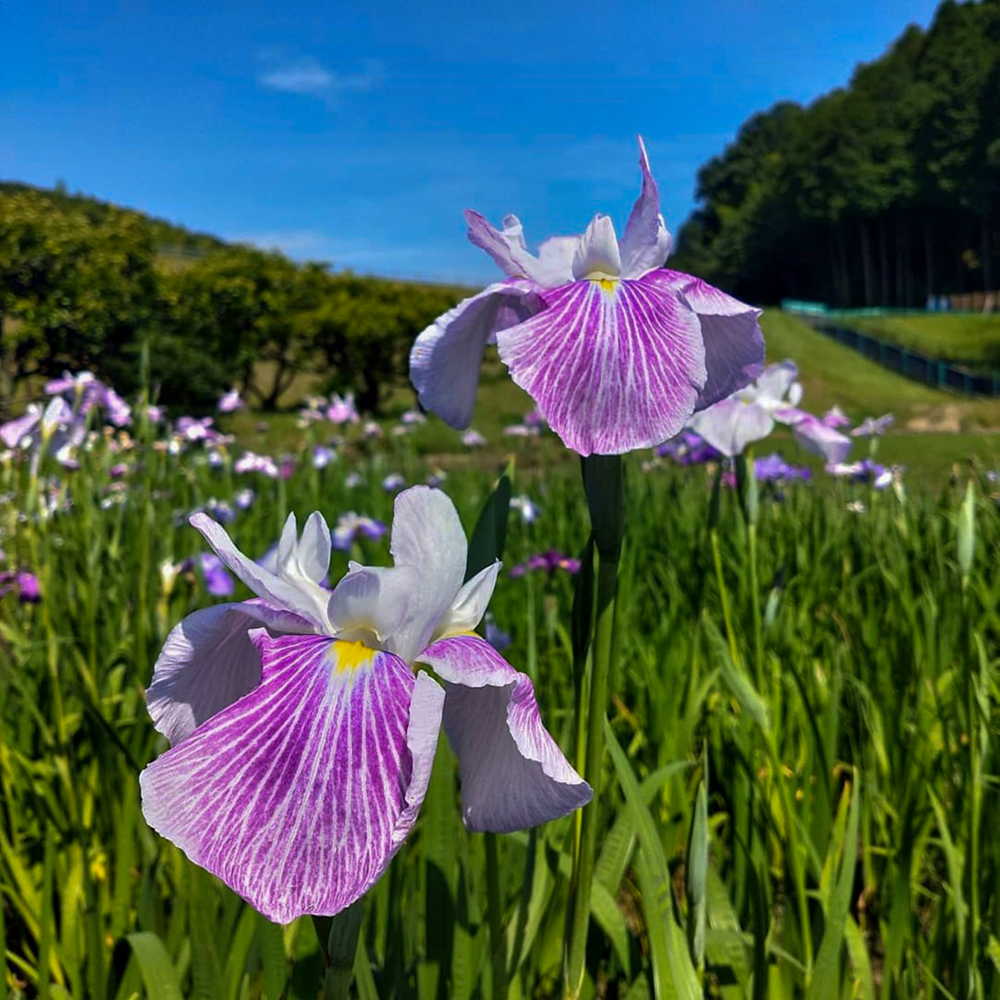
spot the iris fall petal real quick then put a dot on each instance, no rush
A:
(512, 771)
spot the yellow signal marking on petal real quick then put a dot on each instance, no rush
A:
(352, 655)
(606, 284)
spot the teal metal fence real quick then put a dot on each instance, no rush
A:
(912, 364)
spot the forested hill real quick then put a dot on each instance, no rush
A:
(167, 235)
(878, 193)
(144, 303)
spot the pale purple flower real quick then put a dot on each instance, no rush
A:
(549, 561)
(195, 429)
(221, 510)
(76, 384)
(154, 414)
(835, 417)
(350, 527)
(287, 467)
(18, 433)
(412, 417)
(353, 479)
(866, 471)
(393, 482)
(473, 439)
(24, 583)
(616, 352)
(119, 470)
(773, 468)
(244, 498)
(323, 456)
(689, 448)
(251, 462)
(495, 636)
(342, 409)
(872, 427)
(526, 507)
(371, 430)
(119, 412)
(302, 736)
(230, 402)
(520, 430)
(218, 581)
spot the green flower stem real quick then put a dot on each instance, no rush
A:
(602, 477)
(338, 942)
(498, 943)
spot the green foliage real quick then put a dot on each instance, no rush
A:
(84, 284)
(840, 845)
(881, 192)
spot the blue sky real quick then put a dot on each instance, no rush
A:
(358, 132)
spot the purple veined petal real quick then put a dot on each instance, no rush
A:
(646, 242)
(513, 773)
(734, 344)
(508, 250)
(597, 254)
(613, 366)
(298, 795)
(208, 662)
(446, 357)
(820, 439)
(731, 425)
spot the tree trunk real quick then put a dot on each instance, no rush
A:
(929, 258)
(8, 372)
(866, 260)
(986, 251)
(845, 273)
(884, 260)
(900, 262)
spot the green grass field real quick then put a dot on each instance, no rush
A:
(963, 338)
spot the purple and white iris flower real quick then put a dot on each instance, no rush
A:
(616, 351)
(750, 413)
(303, 733)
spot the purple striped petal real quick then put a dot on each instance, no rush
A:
(613, 366)
(734, 344)
(646, 242)
(298, 795)
(513, 773)
(208, 662)
(820, 439)
(446, 357)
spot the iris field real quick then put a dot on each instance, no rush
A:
(800, 790)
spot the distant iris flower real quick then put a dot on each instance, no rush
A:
(350, 527)
(303, 732)
(749, 415)
(616, 352)
(230, 402)
(873, 427)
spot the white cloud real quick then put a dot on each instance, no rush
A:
(307, 75)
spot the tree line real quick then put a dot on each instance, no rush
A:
(138, 301)
(878, 193)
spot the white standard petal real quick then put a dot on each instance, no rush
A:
(597, 254)
(303, 597)
(427, 538)
(470, 603)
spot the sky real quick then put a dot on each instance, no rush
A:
(357, 133)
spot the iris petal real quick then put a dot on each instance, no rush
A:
(446, 357)
(208, 662)
(613, 366)
(646, 242)
(734, 344)
(298, 794)
(513, 773)
(731, 425)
